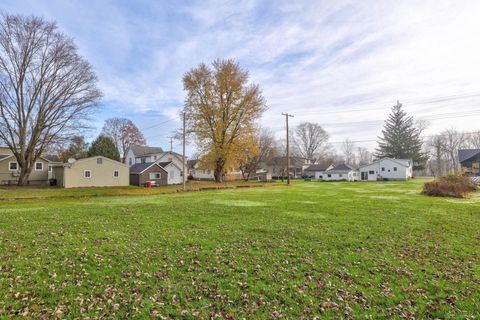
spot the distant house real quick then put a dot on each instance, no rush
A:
(95, 171)
(142, 154)
(145, 154)
(197, 172)
(10, 169)
(317, 171)
(341, 172)
(277, 166)
(387, 169)
(140, 173)
(470, 161)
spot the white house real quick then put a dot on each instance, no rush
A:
(175, 175)
(317, 171)
(145, 154)
(198, 173)
(341, 172)
(142, 154)
(387, 169)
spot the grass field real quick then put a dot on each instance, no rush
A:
(332, 250)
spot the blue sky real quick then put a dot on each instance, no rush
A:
(338, 63)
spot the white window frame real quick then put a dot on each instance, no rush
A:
(89, 174)
(36, 166)
(117, 173)
(155, 173)
(10, 166)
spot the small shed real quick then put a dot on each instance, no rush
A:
(140, 173)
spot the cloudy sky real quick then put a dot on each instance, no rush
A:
(342, 64)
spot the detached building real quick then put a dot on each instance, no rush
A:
(96, 171)
(470, 161)
(140, 173)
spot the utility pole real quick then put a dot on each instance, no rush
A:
(184, 171)
(288, 147)
(171, 144)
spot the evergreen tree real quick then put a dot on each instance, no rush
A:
(104, 146)
(401, 138)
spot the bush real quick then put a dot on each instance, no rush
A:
(452, 185)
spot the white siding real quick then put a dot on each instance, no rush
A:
(387, 169)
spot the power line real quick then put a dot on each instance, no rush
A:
(438, 116)
(420, 102)
(374, 140)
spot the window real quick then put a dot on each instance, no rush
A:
(154, 175)
(87, 173)
(394, 168)
(129, 161)
(329, 175)
(371, 172)
(154, 157)
(340, 175)
(99, 160)
(209, 171)
(13, 166)
(321, 177)
(383, 168)
(115, 173)
(354, 174)
(49, 168)
(38, 166)
(144, 160)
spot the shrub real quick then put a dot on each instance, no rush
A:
(452, 185)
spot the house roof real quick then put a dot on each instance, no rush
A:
(318, 167)
(465, 154)
(191, 163)
(138, 168)
(52, 158)
(145, 150)
(342, 168)
(294, 161)
(4, 156)
(402, 162)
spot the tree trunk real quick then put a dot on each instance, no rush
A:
(24, 175)
(218, 172)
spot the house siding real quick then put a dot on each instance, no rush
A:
(37, 177)
(101, 174)
(402, 173)
(139, 179)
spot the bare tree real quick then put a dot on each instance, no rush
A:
(474, 139)
(47, 90)
(311, 140)
(364, 156)
(267, 149)
(348, 149)
(452, 140)
(124, 134)
(436, 163)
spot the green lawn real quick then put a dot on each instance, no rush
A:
(333, 250)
